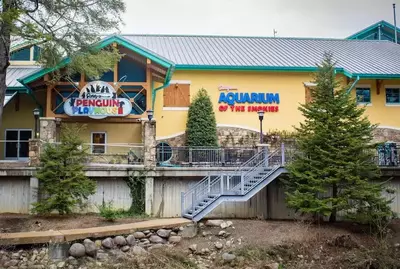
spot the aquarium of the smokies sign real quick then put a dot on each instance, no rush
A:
(248, 101)
(97, 100)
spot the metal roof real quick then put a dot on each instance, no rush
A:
(366, 57)
(16, 72)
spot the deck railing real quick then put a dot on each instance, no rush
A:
(203, 156)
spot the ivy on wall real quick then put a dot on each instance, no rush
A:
(136, 185)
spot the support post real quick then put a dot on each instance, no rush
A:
(193, 203)
(222, 184)
(283, 153)
(242, 184)
(190, 156)
(182, 202)
(149, 161)
(209, 184)
(223, 157)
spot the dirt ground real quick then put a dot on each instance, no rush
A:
(12, 223)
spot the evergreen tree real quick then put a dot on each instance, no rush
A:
(333, 165)
(201, 127)
(62, 181)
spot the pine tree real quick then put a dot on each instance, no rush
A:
(201, 127)
(333, 165)
(62, 182)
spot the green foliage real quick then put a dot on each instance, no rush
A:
(107, 211)
(333, 167)
(66, 29)
(136, 184)
(62, 181)
(201, 126)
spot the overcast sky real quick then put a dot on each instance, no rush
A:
(291, 18)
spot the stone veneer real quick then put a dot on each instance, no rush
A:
(48, 130)
(387, 134)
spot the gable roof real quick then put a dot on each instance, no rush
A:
(16, 72)
(374, 28)
(354, 57)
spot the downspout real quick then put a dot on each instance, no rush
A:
(353, 85)
(166, 84)
(30, 93)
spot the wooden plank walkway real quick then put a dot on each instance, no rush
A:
(26, 238)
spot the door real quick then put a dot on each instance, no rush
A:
(17, 144)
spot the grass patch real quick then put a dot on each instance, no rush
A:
(110, 213)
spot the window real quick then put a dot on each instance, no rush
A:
(392, 96)
(363, 95)
(177, 95)
(98, 143)
(164, 152)
(17, 144)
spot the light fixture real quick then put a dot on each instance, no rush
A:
(36, 114)
(261, 117)
(150, 114)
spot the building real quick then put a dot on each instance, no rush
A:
(162, 74)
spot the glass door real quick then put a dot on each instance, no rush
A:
(17, 144)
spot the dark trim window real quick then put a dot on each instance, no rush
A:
(164, 152)
(363, 95)
(392, 96)
(99, 142)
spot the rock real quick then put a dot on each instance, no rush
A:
(173, 234)
(119, 240)
(136, 250)
(90, 247)
(130, 239)
(214, 223)
(77, 250)
(229, 223)
(156, 246)
(71, 260)
(300, 256)
(146, 232)
(205, 234)
(227, 257)
(189, 231)
(228, 244)
(139, 235)
(201, 225)
(218, 245)
(102, 256)
(144, 240)
(224, 225)
(11, 263)
(156, 239)
(163, 233)
(108, 243)
(125, 248)
(274, 265)
(60, 265)
(174, 239)
(193, 248)
(205, 251)
(33, 257)
(222, 233)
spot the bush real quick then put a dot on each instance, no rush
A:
(108, 212)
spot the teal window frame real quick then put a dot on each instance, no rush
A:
(363, 95)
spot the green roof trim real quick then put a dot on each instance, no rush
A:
(373, 27)
(102, 44)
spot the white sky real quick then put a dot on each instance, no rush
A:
(291, 18)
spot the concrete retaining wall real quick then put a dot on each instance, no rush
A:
(14, 194)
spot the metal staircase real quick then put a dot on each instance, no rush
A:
(239, 186)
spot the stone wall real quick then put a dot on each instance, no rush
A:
(387, 134)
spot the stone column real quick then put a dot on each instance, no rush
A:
(149, 161)
(34, 152)
(33, 191)
(48, 130)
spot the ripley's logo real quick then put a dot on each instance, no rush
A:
(98, 100)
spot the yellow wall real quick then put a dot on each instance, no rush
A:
(289, 86)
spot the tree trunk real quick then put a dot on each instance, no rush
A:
(332, 218)
(5, 40)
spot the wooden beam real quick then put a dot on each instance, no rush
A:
(66, 83)
(378, 86)
(82, 82)
(143, 84)
(49, 100)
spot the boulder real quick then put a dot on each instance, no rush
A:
(77, 250)
(218, 245)
(214, 223)
(136, 250)
(102, 256)
(107, 243)
(119, 241)
(125, 248)
(139, 235)
(131, 240)
(90, 247)
(224, 225)
(229, 223)
(193, 247)
(163, 233)
(155, 239)
(174, 239)
(227, 257)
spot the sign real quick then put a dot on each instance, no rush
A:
(234, 101)
(98, 100)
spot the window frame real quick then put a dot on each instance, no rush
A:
(364, 87)
(392, 87)
(91, 141)
(18, 143)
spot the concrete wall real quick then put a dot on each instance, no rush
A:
(167, 201)
(14, 195)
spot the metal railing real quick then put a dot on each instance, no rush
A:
(261, 164)
(113, 153)
(203, 156)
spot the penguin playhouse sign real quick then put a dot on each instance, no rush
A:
(98, 100)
